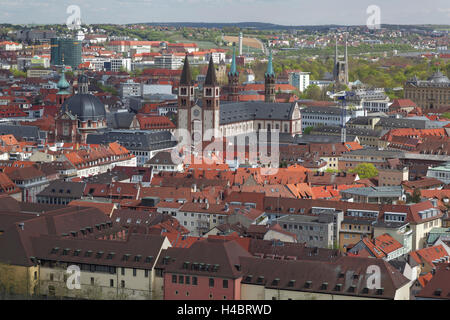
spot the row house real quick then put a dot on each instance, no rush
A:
(99, 159)
(30, 180)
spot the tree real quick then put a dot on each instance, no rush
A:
(365, 171)
(308, 130)
(313, 92)
(415, 197)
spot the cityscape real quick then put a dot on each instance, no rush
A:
(220, 159)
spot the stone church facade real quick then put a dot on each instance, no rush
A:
(208, 118)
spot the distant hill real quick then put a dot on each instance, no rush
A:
(271, 26)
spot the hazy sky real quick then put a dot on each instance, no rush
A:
(286, 12)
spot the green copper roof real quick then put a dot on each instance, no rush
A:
(63, 84)
(270, 71)
(233, 70)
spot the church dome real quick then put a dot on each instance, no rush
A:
(85, 107)
(438, 77)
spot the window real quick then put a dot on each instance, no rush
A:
(194, 281)
(51, 276)
(181, 279)
(92, 281)
(134, 272)
(211, 282)
(188, 280)
(123, 271)
(174, 279)
(122, 283)
(111, 282)
(225, 284)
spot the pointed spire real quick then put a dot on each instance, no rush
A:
(270, 71)
(233, 69)
(186, 76)
(211, 79)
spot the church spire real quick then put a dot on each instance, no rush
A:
(269, 87)
(186, 76)
(233, 69)
(211, 79)
(270, 72)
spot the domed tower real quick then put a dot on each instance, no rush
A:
(233, 79)
(269, 88)
(63, 89)
(80, 115)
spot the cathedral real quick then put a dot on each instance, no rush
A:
(207, 118)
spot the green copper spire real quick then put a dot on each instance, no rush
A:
(233, 69)
(63, 84)
(270, 72)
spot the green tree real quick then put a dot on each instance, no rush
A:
(313, 92)
(308, 130)
(415, 197)
(365, 171)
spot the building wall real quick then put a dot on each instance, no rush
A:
(354, 235)
(18, 279)
(388, 177)
(420, 232)
(136, 287)
(201, 291)
(428, 97)
(255, 292)
(199, 223)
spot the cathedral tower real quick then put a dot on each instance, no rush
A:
(233, 80)
(269, 88)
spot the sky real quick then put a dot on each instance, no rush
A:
(284, 12)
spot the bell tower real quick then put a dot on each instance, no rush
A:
(233, 80)
(211, 104)
(269, 88)
(185, 97)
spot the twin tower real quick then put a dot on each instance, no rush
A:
(200, 118)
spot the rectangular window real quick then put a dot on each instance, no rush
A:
(225, 284)
(181, 279)
(123, 271)
(134, 272)
(174, 279)
(211, 282)
(194, 281)
(146, 273)
(188, 280)
(122, 283)
(111, 283)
